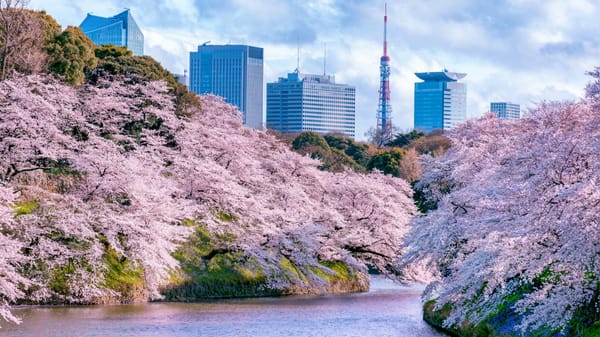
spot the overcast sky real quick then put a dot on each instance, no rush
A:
(523, 51)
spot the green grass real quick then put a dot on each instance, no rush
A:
(26, 207)
(60, 277)
(59, 281)
(224, 216)
(342, 271)
(204, 274)
(339, 269)
(288, 266)
(121, 274)
(592, 331)
(436, 317)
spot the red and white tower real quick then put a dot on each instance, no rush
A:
(384, 112)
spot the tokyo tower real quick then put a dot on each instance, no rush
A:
(384, 112)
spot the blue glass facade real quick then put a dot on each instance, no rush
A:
(234, 72)
(303, 102)
(119, 30)
(440, 101)
(506, 110)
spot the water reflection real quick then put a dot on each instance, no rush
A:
(387, 310)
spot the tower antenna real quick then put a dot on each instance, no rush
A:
(385, 30)
(325, 59)
(298, 55)
(384, 111)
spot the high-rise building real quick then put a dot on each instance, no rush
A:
(118, 30)
(234, 72)
(440, 100)
(303, 102)
(506, 110)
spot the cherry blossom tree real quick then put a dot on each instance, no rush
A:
(107, 175)
(516, 216)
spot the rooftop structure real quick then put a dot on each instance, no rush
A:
(118, 30)
(440, 100)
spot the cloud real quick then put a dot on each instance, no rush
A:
(563, 48)
(516, 50)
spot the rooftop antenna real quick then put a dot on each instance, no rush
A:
(325, 59)
(385, 31)
(298, 55)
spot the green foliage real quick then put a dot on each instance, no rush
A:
(224, 216)
(120, 198)
(586, 319)
(340, 271)
(187, 222)
(134, 129)
(545, 277)
(386, 161)
(59, 281)
(436, 317)
(403, 139)
(503, 320)
(138, 68)
(72, 55)
(62, 276)
(433, 144)
(289, 267)
(56, 167)
(186, 102)
(71, 242)
(334, 161)
(79, 134)
(50, 28)
(126, 144)
(25, 207)
(310, 139)
(423, 203)
(119, 61)
(335, 157)
(592, 331)
(359, 152)
(107, 50)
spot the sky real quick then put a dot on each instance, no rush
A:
(521, 51)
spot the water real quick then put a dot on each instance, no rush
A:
(387, 310)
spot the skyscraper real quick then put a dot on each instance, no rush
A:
(303, 102)
(118, 30)
(506, 110)
(234, 72)
(440, 100)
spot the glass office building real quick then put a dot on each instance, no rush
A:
(440, 100)
(119, 30)
(303, 102)
(506, 110)
(234, 72)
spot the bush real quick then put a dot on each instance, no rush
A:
(386, 161)
(114, 60)
(72, 55)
